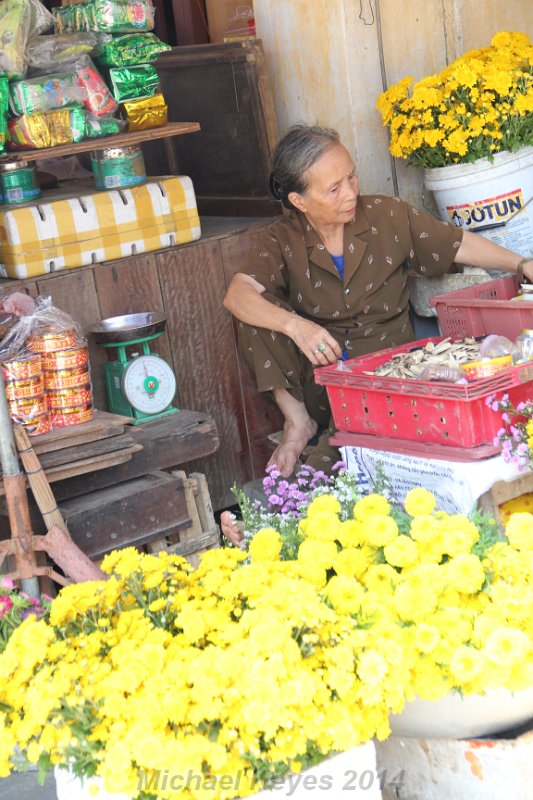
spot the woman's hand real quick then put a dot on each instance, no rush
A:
(314, 341)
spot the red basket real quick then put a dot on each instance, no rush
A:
(482, 309)
(435, 412)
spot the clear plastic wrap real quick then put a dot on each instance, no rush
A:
(62, 126)
(47, 52)
(45, 93)
(19, 21)
(99, 100)
(111, 16)
(130, 49)
(45, 366)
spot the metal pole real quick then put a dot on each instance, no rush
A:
(16, 498)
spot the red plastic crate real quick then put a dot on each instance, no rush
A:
(482, 309)
(434, 412)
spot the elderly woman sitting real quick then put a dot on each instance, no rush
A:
(329, 280)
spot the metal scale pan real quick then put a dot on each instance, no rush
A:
(129, 327)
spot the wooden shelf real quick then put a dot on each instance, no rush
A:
(100, 142)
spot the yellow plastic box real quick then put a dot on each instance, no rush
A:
(62, 232)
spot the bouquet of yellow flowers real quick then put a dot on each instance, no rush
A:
(267, 660)
(477, 106)
(168, 682)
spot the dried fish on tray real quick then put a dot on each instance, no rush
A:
(443, 354)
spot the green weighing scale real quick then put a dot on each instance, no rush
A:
(139, 383)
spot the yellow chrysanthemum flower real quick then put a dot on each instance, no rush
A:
(465, 573)
(380, 530)
(266, 545)
(519, 531)
(324, 502)
(371, 505)
(401, 552)
(419, 502)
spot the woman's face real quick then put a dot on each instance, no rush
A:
(331, 194)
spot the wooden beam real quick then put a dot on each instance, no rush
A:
(190, 22)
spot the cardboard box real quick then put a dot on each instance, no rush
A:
(66, 231)
(219, 15)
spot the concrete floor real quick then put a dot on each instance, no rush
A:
(24, 786)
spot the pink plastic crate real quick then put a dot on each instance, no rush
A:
(482, 309)
(433, 412)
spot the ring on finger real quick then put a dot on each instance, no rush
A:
(321, 347)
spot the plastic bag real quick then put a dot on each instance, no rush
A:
(99, 100)
(130, 49)
(14, 32)
(41, 20)
(61, 126)
(494, 345)
(45, 93)
(111, 16)
(20, 20)
(442, 372)
(46, 52)
(45, 364)
(241, 25)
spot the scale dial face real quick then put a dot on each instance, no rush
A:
(149, 384)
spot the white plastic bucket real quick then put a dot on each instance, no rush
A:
(489, 197)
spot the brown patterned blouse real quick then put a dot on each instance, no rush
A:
(368, 309)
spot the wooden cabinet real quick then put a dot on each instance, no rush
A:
(188, 283)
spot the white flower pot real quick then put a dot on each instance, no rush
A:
(487, 193)
(464, 717)
(354, 771)
(68, 787)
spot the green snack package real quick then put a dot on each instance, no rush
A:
(4, 104)
(131, 49)
(77, 124)
(44, 93)
(101, 126)
(111, 16)
(131, 83)
(85, 125)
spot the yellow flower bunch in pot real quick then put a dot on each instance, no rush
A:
(167, 682)
(447, 599)
(479, 105)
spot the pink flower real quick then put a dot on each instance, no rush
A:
(6, 604)
(7, 583)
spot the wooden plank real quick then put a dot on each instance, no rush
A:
(101, 142)
(203, 500)
(102, 424)
(79, 469)
(189, 22)
(83, 437)
(166, 443)
(93, 449)
(202, 533)
(201, 341)
(85, 465)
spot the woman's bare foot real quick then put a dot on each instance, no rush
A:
(231, 528)
(299, 427)
(289, 450)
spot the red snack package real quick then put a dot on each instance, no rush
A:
(99, 99)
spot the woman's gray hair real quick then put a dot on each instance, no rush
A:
(294, 155)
